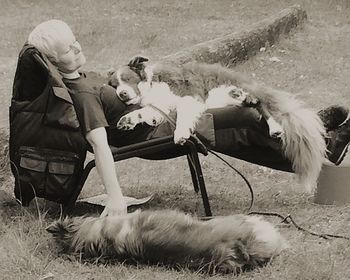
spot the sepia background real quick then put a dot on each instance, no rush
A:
(313, 62)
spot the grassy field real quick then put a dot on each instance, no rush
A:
(314, 62)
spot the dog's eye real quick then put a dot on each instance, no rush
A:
(114, 83)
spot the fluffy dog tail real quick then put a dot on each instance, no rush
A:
(303, 139)
(256, 242)
(304, 144)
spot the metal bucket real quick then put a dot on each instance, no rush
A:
(333, 184)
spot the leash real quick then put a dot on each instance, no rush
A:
(289, 220)
(205, 150)
(284, 219)
(241, 175)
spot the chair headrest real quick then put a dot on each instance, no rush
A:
(29, 57)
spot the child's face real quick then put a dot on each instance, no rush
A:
(69, 54)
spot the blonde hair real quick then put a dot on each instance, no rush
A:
(46, 35)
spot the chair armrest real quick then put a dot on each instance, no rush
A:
(141, 145)
(149, 147)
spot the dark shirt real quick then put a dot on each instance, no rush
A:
(93, 105)
(97, 105)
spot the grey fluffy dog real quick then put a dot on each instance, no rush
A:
(228, 244)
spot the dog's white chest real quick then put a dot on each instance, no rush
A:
(159, 95)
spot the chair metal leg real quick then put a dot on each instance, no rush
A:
(193, 161)
(193, 173)
(200, 180)
(86, 171)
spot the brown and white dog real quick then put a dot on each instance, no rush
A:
(228, 244)
(192, 88)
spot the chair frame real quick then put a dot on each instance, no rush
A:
(148, 148)
(159, 145)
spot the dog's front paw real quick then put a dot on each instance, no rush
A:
(250, 101)
(181, 136)
(128, 122)
(243, 97)
(152, 117)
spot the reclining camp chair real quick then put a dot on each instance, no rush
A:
(47, 150)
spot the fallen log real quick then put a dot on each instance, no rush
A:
(239, 46)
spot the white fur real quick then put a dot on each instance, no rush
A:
(144, 115)
(303, 140)
(159, 95)
(220, 97)
(267, 233)
(189, 110)
(274, 127)
(300, 128)
(134, 98)
(149, 73)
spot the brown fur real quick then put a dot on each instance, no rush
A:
(225, 245)
(303, 132)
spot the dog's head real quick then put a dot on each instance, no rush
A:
(77, 234)
(63, 232)
(127, 78)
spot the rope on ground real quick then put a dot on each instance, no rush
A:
(284, 219)
(289, 220)
(242, 176)
(205, 149)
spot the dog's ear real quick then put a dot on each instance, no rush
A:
(112, 78)
(137, 62)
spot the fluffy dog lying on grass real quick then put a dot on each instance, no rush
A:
(221, 245)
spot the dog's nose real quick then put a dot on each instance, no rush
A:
(123, 95)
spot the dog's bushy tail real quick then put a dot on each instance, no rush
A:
(304, 144)
(254, 242)
(303, 140)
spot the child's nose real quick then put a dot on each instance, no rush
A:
(76, 48)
